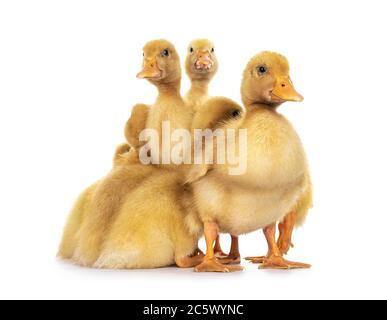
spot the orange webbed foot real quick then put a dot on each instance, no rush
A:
(278, 262)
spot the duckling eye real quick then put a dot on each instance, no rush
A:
(212, 50)
(191, 50)
(262, 70)
(235, 113)
(165, 53)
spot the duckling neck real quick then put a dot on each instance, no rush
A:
(168, 93)
(199, 88)
(251, 103)
(260, 106)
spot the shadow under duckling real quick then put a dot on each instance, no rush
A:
(276, 180)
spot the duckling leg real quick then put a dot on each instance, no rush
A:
(234, 256)
(210, 262)
(285, 228)
(218, 249)
(274, 259)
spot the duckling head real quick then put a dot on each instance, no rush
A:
(161, 63)
(266, 80)
(201, 62)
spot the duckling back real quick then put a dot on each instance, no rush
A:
(149, 231)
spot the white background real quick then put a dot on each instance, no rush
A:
(67, 84)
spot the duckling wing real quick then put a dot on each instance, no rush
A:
(215, 112)
(135, 124)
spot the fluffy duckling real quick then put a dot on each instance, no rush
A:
(141, 231)
(161, 67)
(156, 234)
(201, 66)
(152, 232)
(276, 180)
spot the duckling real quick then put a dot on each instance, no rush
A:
(161, 67)
(201, 66)
(153, 232)
(276, 180)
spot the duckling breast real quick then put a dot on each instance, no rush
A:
(240, 209)
(275, 155)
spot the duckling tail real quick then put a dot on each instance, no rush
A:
(304, 203)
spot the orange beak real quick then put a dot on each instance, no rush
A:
(284, 91)
(204, 61)
(150, 70)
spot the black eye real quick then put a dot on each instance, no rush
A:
(165, 53)
(191, 50)
(235, 113)
(262, 70)
(212, 50)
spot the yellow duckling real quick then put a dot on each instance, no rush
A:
(276, 180)
(155, 225)
(161, 67)
(87, 233)
(201, 66)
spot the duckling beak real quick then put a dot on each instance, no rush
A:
(150, 70)
(203, 61)
(284, 91)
